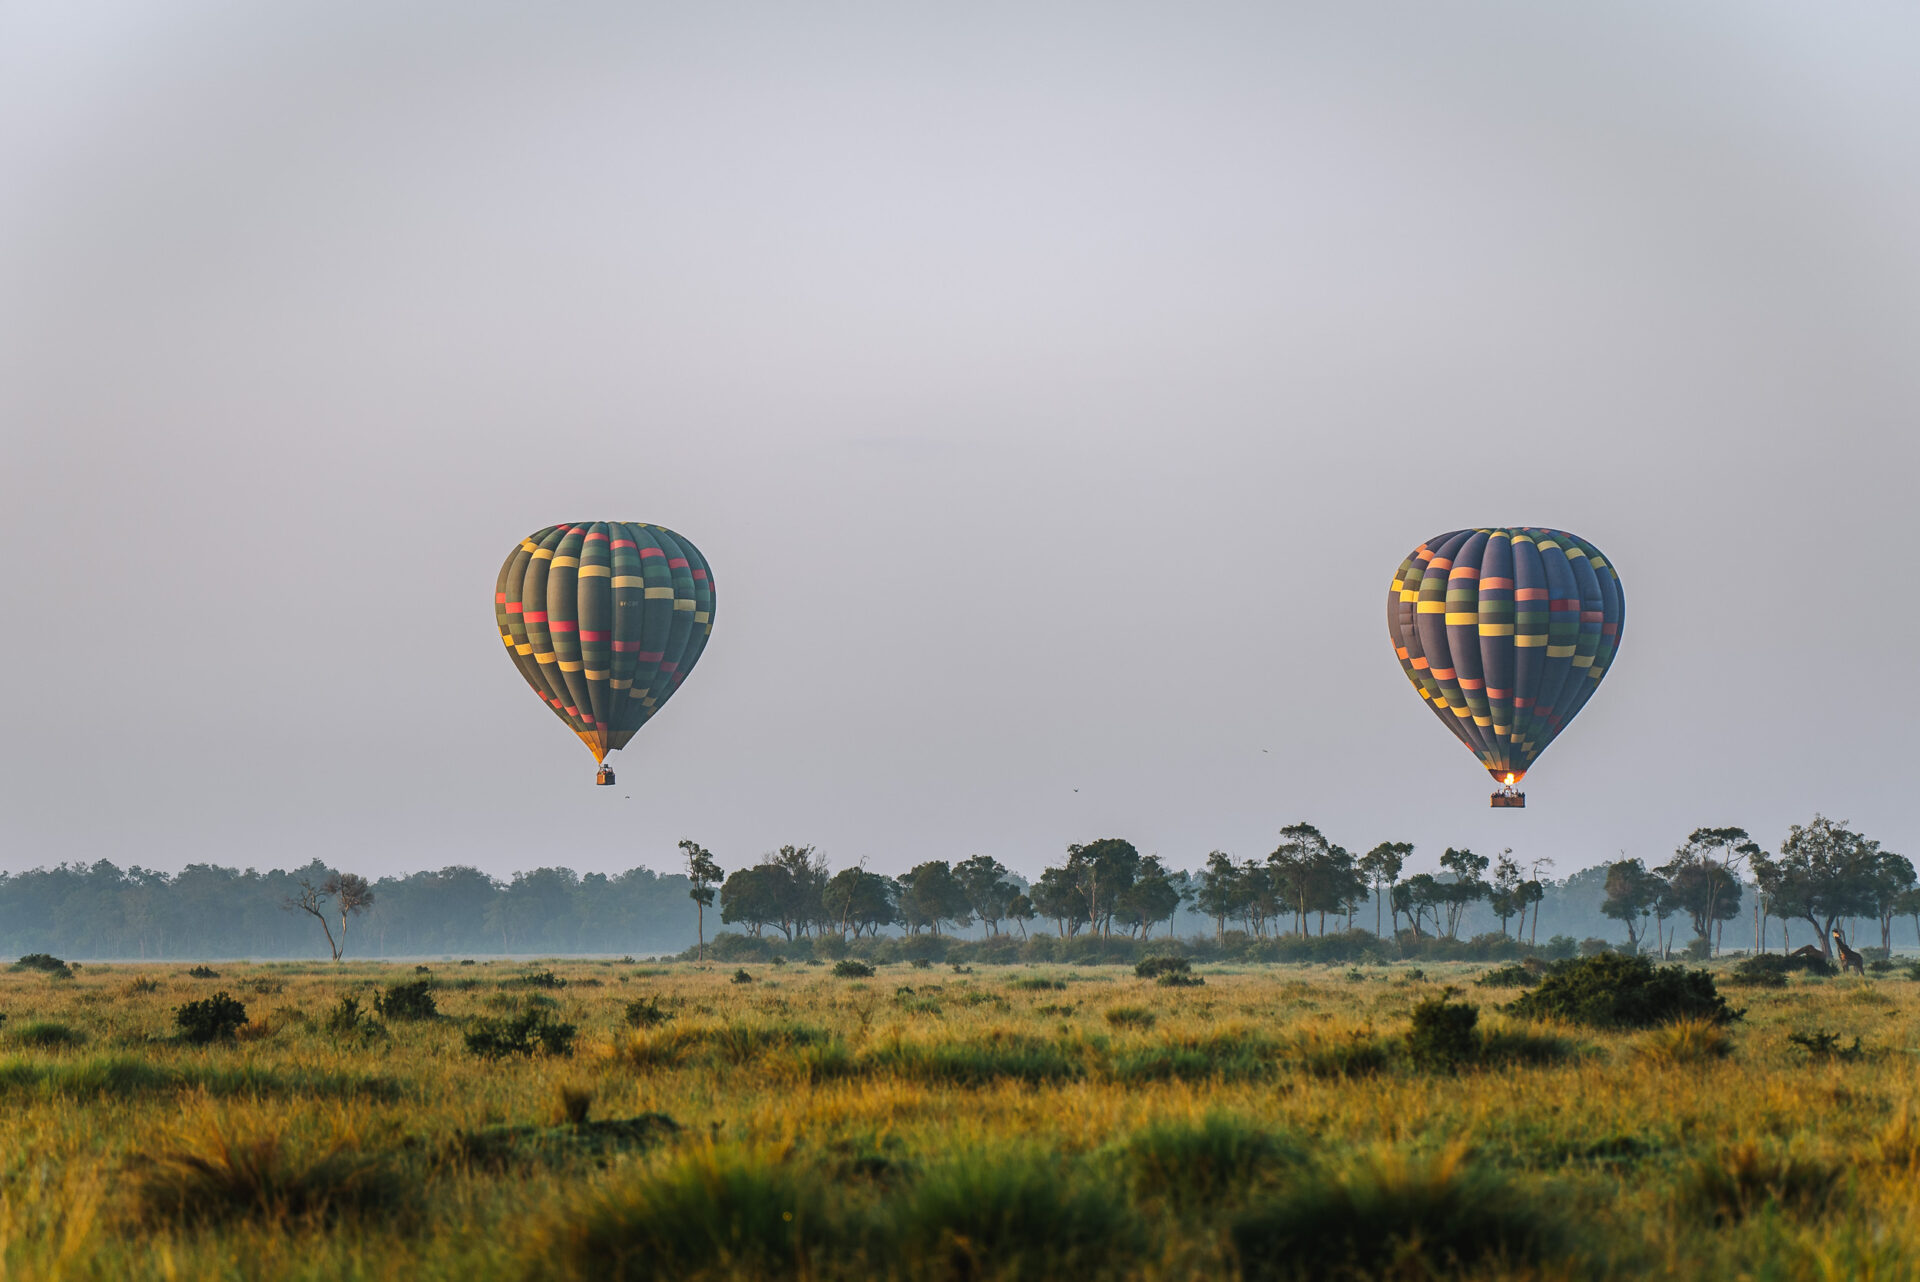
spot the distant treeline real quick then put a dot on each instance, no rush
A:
(1309, 899)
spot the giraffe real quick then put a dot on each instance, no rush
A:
(1849, 960)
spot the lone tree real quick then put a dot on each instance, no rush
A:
(703, 872)
(348, 892)
(1824, 871)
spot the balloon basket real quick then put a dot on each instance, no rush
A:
(604, 776)
(1508, 799)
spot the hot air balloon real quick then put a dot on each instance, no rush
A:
(1505, 634)
(604, 619)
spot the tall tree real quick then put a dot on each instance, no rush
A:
(1893, 880)
(1467, 886)
(984, 879)
(1824, 871)
(1219, 892)
(1632, 893)
(1101, 871)
(1503, 893)
(349, 895)
(1381, 867)
(703, 872)
(1724, 849)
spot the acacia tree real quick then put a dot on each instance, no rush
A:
(1381, 867)
(1218, 895)
(1101, 871)
(860, 901)
(703, 872)
(1705, 871)
(1824, 871)
(1893, 881)
(348, 892)
(1632, 894)
(1467, 885)
(1503, 895)
(988, 891)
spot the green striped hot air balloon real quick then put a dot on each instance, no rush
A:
(604, 620)
(1505, 634)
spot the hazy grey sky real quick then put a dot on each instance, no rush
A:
(1054, 389)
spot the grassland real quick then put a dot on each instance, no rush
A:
(1002, 1122)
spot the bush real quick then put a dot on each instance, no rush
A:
(1007, 1216)
(1202, 1164)
(1615, 991)
(539, 979)
(346, 1019)
(48, 1035)
(1561, 948)
(203, 972)
(1179, 979)
(143, 985)
(530, 1031)
(1394, 1216)
(1508, 977)
(1129, 1017)
(1442, 1037)
(1822, 1045)
(1592, 946)
(646, 1012)
(1155, 967)
(1770, 970)
(216, 1018)
(715, 1213)
(742, 976)
(46, 963)
(1037, 984)
(850, 969)
(408, 1001)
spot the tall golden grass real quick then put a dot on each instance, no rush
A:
(975, 1126)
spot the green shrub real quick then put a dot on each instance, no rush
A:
(714, 1213)
(1012, 1216)
(1561, 948)
(1202, 1164)
(1616, 991)
(532, 1030)
(1770, 970)
(1822, 1045)
(407, 1001)
(851, 969)
(1154, 967)
(1037, 984)
(742, 976)
(1130, 1017)
(48, 1035)
(646, 1012)
(1508, 977)
(539, 979)
(1394, 1217)
(1442, 1037)
(1179, 979)
(203, 972)
(216, 1018)
(346, 1019)
(46, 963)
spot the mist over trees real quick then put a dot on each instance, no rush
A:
(1718, 890)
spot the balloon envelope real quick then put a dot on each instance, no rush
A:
(1505, 634)
(604, 619)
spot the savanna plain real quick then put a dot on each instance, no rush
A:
(596, 1119)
